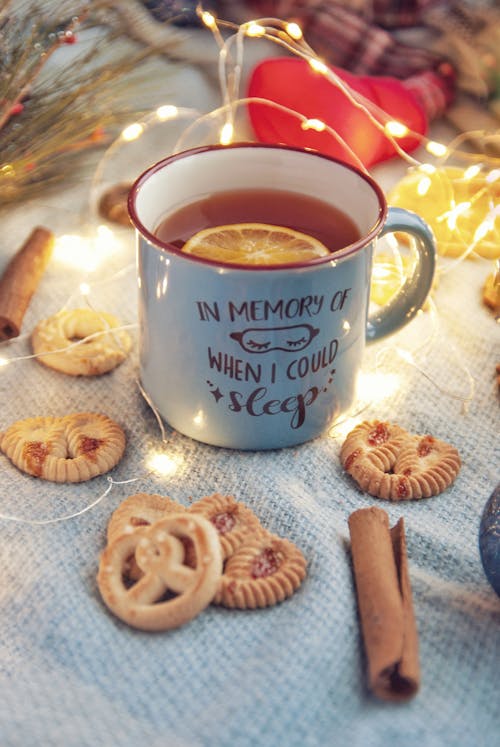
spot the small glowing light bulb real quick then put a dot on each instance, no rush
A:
(208, 19)
(396, 129)
(254, 29)
(376, 386)
(132, 132)
(84, 289)
(75, 251)
(427, 168)
(294, 30)
(423, 186)
(167, 111)
(318, 66)
(163, 464)
(452, 215)
(436, 149)
(3, 362)
(493, 176)
(313, 124)
(226, 134)
(199, 418)
(472, 171)
(482, 230)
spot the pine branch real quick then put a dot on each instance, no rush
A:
(51, 114)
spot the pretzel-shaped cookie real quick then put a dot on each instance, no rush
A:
(142, 509)
(265, 570)
(234, 521)
(159, 553)
(72, 448)
(53, 342)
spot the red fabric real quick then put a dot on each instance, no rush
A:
(292, 83)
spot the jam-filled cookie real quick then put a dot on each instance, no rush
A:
(376, 442)
(233, 520)
(72, 448)
(425, 467)
(389, 463)
(263, 571)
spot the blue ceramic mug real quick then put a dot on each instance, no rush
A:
(262, 357)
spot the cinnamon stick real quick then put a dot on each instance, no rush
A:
(20, 280)
(385, 604)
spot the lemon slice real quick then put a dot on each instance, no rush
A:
(254, 244)
(458, 209)
(388, 276)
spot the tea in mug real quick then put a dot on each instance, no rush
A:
(274, 227)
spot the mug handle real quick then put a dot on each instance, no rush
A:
(411, 296)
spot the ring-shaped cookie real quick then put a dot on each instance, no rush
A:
(425, 467)
(264, 571)
(159, 552)
(409, 467)
(233, 520)
(369, 454)
(72, 448)
(53, 342)
(375, 442)
(375, 481)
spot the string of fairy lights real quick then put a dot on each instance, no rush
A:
(89, 253)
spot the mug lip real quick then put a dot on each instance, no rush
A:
(346, 251)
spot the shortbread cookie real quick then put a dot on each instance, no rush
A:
(369, 454)
(113, 204)
(233, 520)
(389, 463)
(263, 571)
(72, 448)
(159, 553)
(376, 442)
(54, 339)
(141, 509)
(425, 467)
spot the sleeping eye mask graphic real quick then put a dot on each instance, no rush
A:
(289, 339)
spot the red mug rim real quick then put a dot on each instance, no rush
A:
(341, 253)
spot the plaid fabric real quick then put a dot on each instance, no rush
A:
(433, 90)
(350, 39)
(351, 36)
(386, 13)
